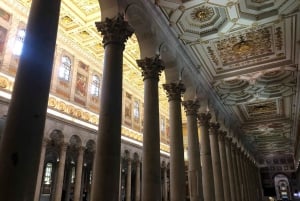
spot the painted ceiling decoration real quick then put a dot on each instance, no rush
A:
(245, 50)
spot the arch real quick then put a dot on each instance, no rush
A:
(145, 32)
(75, 141)
(56, 137)
(109, 9)
(90, 146)
(136, 156)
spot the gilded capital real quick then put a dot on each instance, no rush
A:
(114, 30)
(174, 90)
(191, 107)
(213, 128)
(204, 118)
(151, 67)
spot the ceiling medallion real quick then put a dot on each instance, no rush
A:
(203, 13)
(243, 47)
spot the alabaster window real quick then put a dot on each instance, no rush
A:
(95, 88)
(65, 68)
(18, 46)
(136, 110)
(90, 177)
(48, 172)
(73, 175)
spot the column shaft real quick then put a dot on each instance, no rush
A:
(151, 178)
(239, 173)
(77, 189)
(216, 164)
(195, 172)
(177, 167)
(207, 174)
(224, 166)
(128, 181)
(41, 170)
(107, 160)
(138, 182)
(60, 173)
(166, 184)
(230, 169)
(21, 141)
(235, 172)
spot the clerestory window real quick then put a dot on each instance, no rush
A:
(65, 68)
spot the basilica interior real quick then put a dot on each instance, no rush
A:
(149, 100)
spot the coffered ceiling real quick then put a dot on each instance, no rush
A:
(247, 50)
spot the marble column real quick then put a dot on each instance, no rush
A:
(22, 137)
(108, 152)
(195, 172)
(244, 178)
(230, 169)
(207, 173)
(177, 167)
(60, 173)
(235, 172)
(239, 173)
(216, 163)
(166, 184)
(41, 170)
(79, 166)
(128, 180)
(224, 166)
(151, 178)
(138, 181)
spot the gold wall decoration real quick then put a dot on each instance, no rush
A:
(262, 108)
(69, 109)
(260, 40)
(203, 13)
(4, 83)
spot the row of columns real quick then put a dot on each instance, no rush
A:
(223, 171)
(59, 181)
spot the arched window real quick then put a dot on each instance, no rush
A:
(65, 68)
(136, 110)
(18, 46)
(48, 172)
(95, 88)
(73, 175)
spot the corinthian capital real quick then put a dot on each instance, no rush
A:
(204, 118)
(151, 67)
(115, 30)
(222, 135)
(213, 128)
(191, 107)
(174, 90)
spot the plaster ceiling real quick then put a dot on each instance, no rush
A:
(258, 84)
(256, 80)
